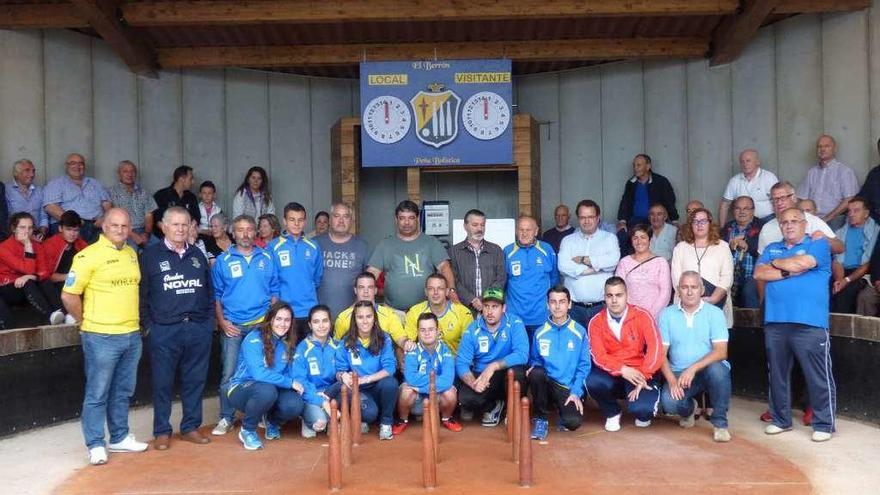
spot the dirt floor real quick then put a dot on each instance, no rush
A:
(662, 459)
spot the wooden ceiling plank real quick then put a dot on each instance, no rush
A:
(348, 54)
(735, 31)
(817, 6)
(41, 16)
(103, 16)
(226, 12)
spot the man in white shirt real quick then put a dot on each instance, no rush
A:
(754, 182)
(587, 258)
(783, 197)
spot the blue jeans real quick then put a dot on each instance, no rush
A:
(378, 400)
(312, 414)
(714, 380)
(111, 363)
(607, 389)
(583, 315)
(256, 399)
(229, 347)
(182, 348)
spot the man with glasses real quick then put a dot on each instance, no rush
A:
(74, 191)
(783, 197)
(741, 234)
(797, 270)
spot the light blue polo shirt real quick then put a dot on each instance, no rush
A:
(799, 298)
(690, 337)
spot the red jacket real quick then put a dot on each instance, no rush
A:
(53, 248)
(639, 346)
(14, 264)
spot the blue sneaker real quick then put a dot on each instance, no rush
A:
(249, 439)
(539, 429)
(273, 431)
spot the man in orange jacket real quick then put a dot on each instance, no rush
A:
(627, 352)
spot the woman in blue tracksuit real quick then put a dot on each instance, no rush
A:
(368, 351)
(261, 384)
(314, 365)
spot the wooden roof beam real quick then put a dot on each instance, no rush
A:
(226, 12)
(347, 54)
(735, 31)
(103, 16)
(816, 6)
(41, 16)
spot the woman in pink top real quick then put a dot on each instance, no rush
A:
(647, 275)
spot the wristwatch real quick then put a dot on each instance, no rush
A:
(784, 273)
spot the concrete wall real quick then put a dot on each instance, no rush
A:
(797, 79)
(62, 92)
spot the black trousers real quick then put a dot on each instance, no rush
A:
(32, 293)
(497, 390)
(845, 300)
(545, 391)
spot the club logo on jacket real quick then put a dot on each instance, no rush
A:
(164, 266)
(284, 258)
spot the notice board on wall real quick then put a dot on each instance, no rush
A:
(436, 113)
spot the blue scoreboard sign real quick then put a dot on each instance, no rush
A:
(436, 113)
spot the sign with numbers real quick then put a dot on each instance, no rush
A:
(436, 113)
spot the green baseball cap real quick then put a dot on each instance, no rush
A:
(494, 294)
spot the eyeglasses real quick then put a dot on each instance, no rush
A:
(777, 199)
(76, 162)
(788, 223)
(702, 221)
(744, 208)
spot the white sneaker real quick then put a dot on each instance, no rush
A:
(385, 432)
(57, 317)
(643, 424)
(612, 423)
(128, 444)
(365, 428)
(223, 427)
(307, 432)
(775, 430)
(97, 456)
(69, 320)
(493, 417)
(821, 436)
(689, 421)
(721, 435)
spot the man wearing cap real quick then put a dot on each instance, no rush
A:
(493, 343)
(176, 299)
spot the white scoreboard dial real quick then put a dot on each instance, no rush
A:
(486, 115)
(386, 119)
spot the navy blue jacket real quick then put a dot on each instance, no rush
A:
(174, 288)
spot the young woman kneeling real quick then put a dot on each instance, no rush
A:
(368, 351)
(262, 384)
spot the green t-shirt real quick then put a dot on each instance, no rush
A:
(406, 265)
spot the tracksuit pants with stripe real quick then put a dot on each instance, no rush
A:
(811, 346)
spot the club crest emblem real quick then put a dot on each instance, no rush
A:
(436, 113)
